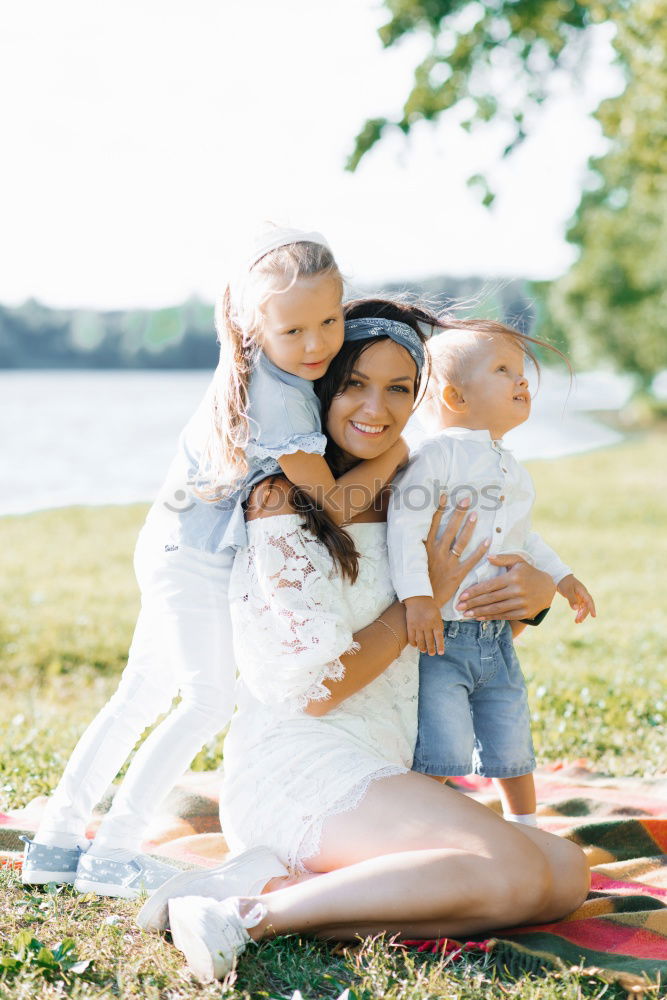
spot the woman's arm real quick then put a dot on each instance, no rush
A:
(379, 645)
(386, 638)
(354, 491)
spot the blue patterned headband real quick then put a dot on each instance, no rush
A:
(367, 328)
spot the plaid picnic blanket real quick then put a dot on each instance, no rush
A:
(619, 933)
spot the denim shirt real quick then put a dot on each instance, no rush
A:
(284, 417)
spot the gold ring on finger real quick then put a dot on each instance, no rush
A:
(455, 552)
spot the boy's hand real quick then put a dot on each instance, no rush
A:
(579, 599)
(425, 628)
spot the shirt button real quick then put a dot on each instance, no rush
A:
(503, 469)
(499, 530)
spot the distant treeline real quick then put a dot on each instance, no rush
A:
(35, 336)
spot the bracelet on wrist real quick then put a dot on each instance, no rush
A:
(381, 621)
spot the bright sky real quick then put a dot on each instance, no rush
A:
(143, 138)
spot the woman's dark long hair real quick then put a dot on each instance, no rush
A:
(339, 543)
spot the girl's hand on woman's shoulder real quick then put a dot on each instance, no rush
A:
(445, 567)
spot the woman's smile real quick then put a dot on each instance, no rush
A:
(371, 429)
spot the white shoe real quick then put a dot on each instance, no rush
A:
(210, 934)
(121, 879)
(244, 875)
(43, 864)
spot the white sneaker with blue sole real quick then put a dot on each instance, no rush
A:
(43, 864)
(121, 879)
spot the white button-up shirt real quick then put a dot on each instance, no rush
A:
(463, 463)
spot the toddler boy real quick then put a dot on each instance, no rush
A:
(473, 706)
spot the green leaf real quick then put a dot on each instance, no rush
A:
(46, 958)
(24, 943)
(365, 140)
(65, 947)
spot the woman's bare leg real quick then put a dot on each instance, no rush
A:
(419, 859)
(562, 856)
(569, 867)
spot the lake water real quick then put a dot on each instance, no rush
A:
(96, 437)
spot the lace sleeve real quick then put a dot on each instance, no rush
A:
(288, 609)
(314, 443)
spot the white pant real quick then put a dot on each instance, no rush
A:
(182, 645)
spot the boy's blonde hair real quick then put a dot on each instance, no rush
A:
(238, 322)
(454, 349)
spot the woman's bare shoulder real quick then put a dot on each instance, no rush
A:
(270, 497)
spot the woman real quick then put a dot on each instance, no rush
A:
(317, 759)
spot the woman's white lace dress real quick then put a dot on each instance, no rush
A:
(294, 616)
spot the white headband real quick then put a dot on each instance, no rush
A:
(282, 236)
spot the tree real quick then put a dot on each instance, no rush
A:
(494, 62)
(486, 62)
(613, 302)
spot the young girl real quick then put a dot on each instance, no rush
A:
(473, 707)
(280, 323)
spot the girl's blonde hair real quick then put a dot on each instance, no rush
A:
(238, 323)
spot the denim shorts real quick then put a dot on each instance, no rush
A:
(473, 706)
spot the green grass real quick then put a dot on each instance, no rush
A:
(597, 689)
(68, 602)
